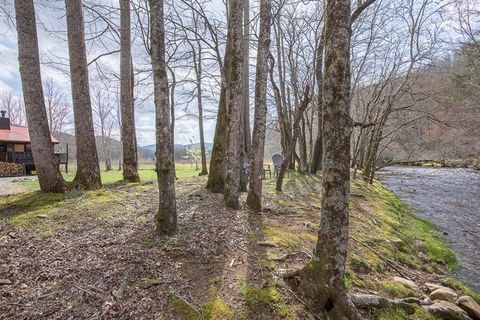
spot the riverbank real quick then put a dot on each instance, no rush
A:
(449, 199)
(471, 163)
(94, 254)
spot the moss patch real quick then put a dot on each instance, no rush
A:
(214, 309)
(267, 301)
(285, 237)
(397, 290)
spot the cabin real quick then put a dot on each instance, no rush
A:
(16, 156)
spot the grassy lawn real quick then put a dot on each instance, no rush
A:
(147, 173)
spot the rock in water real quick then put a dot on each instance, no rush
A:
(470, 306)
(445, 294)
(447, 311)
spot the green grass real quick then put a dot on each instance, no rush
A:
(419, 244)
(146, 171)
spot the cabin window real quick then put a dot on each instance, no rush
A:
(9, 147)
(19, 148)
(3, 147)
(28, 147)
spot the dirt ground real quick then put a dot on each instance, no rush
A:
(95, 255)
(104, 261)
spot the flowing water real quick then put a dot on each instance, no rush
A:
(449, 198)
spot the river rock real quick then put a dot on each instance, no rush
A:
(447, 311)
(432, 286)
(5, 282)
(407, 283)
(445, 294)
(470, 306)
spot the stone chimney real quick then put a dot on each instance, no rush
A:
(4, 121)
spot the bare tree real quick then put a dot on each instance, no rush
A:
(103, 110)
(129, 137)
(14, 107)
(246, 78)
(166, 218)
(58, 110)
(88, 169)
(322, 279)
(296, 132)
(46, 165)
(254, 198)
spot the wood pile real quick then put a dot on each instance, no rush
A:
(8, 169)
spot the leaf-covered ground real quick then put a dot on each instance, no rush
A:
(89, 255)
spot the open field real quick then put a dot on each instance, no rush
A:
(95, 255)
(147, 173)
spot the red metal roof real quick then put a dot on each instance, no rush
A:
(18, 134)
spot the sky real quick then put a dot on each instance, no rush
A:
(53, 48)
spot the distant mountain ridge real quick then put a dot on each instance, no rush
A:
(181, 149)
(208, 146)
(115, 148)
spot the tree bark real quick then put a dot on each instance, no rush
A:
(166, 217)
(216, 175)
(88, 169)
(246, 78)
(322, 279)
(317, 152)
(254, 197)
(234, 107)
(46, 165)
(129, 144)
(198, 72)
(296, 131)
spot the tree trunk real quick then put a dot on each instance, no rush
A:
(322, 279)
(317, 152)
(198, 72)
(254, 197)
(234, 107)
(216, 174)
(217, 170)
(88, 169)
(129, 144)
(46, 165)
(246, 78)
(296, 131)
(302, 165)
(166, 217)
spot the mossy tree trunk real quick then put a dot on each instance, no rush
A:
(46, 164)
(234, 107)
(322, 279)
(166, 217)
(88, 168)
(246, 78)
(129, 138)
(254, 198)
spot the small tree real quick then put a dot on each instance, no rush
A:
(193, 154)
(166, 218)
